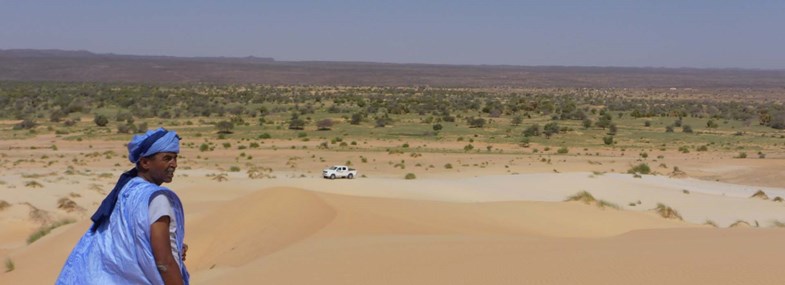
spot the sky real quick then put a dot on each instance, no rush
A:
(633, 33)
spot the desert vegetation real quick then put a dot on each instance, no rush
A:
(561, 118)
(46, 229)
(667, 212)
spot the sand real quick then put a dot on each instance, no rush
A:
(491, 219)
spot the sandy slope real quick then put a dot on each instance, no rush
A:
(502, 223)
(293, 236)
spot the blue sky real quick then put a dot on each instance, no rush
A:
(663, 33)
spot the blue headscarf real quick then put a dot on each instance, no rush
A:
(150, 143)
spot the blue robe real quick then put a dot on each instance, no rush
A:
(119, 251)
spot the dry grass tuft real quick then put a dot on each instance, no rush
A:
(38, 215)
(711, 223)
(68, 205)
(605, 204)
(777, 224)
(4, 204)
(45, 230)
(777, 199)
(260, 172)
(221, 177)
(740, 223)
(667, 212)
(33, 184)
(9, 265)
(760, 195)
(582, 196)
(677, 173)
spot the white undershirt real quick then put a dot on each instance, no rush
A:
(160, 207)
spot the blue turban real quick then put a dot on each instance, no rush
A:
(152, 142)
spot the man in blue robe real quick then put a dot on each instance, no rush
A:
(137, 233)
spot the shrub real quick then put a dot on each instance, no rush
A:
(448, 166)
(410, 176)
(531, 131)
(265, 136)
(686, 129)
(100, 120)
(550, 129)
(224, 127)
(126, 128)
(741, 155)
(25, 124)
(234, 169)
(562, 150)
(324, 125)
(642, 168)
(608, 140)
(204, 147)
(9, 265)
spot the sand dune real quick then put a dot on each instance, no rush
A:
(491, 225)
(285, 235)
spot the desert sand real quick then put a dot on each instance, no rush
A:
(491, 218)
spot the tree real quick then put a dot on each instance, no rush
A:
(476, 122)
(437, 127)
(324, 125)
(533, 130)
(712, 124)
(612, 129)
(604, 121)
(587, 123)
(224, 127)
(101, 120)
(608, 140)
(550, 129)
(356, 119)
(517, 120)
(295, 123)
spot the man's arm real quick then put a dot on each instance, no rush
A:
(162, 252)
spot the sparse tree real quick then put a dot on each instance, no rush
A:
(224, 127)
(324, 125)
(295, 123)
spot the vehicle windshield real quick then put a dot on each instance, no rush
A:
(333, 168)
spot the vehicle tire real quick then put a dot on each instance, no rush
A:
(350, 176)
(332, 176)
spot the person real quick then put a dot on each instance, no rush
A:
(138, 230)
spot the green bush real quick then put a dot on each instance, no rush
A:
(410, 176)
(642, 168)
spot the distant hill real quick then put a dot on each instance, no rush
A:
(84, 66)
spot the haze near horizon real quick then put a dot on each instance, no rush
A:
(701, 33)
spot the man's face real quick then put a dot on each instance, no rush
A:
(160, 166)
